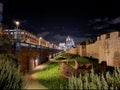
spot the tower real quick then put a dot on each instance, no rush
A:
(69, 42)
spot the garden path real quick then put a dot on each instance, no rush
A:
(32, 80)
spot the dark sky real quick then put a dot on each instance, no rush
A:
(54, 20)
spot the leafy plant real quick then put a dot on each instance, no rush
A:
(10, 76)
(50, 77)
(94, 81)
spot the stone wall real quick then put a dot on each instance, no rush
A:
(106, 48)
(72, 51)
(92, 50)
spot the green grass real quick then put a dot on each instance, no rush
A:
(51, 76)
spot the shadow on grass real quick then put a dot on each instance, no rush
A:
(92, 60)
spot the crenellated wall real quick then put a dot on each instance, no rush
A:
(106, 48)
(72, 50)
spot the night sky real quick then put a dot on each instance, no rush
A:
(55, 20)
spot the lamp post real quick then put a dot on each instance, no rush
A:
(17, 23)
(17, 41)
(40, 43)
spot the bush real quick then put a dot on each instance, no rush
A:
(10, 76)
(95, 81)
(51, 78)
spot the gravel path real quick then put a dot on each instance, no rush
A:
(31, 78)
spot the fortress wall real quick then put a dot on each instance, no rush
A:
(92, 50)
(114, 49)
(79, 50)
(106, 48)
(72, 51)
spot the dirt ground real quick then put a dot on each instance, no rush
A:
(32, 80)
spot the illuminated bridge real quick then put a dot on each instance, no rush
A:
(30, 49)
(31, 55)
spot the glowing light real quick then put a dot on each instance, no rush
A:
(40, 38)
(17, 23)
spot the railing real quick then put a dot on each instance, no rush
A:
(19, 44)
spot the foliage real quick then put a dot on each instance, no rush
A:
(64, 55)
(10, 76)
(71, 56)
(61, 56)
(95, 81)
(50, 77)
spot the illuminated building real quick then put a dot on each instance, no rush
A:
(69, 43)
(25, 36)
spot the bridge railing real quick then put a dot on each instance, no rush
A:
(18, 45)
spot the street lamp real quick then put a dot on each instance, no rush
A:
(17, 41)
(17, 23)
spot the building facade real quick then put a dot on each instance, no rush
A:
(62, 46)
(68, 44)
(28, 37)
(24, 36)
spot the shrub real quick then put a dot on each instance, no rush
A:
(95, 81)
(10, 76)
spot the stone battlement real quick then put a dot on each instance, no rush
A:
(115, 34)
(106, 48)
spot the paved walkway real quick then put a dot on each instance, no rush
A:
(31, 78)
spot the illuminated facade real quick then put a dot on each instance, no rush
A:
(62, 46)
(28, 37)
(25, 36)
(69, 43)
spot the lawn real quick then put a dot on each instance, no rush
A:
(51, 75)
